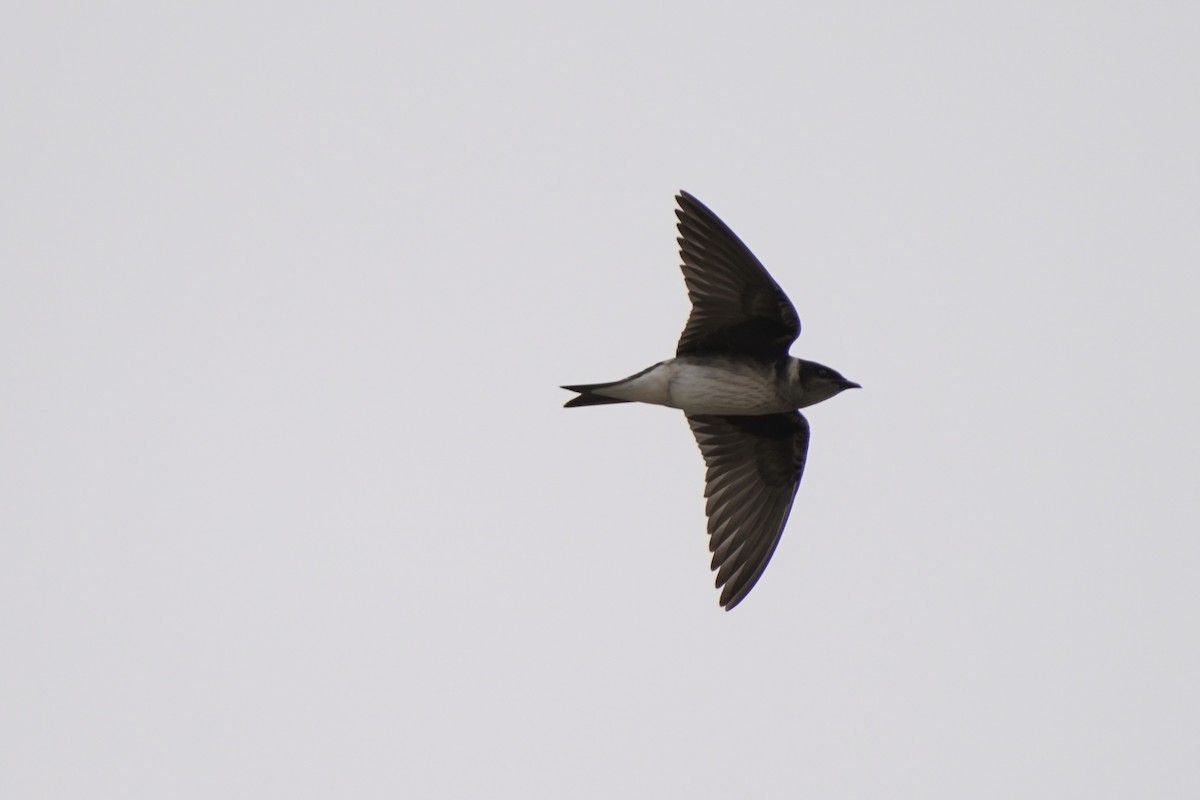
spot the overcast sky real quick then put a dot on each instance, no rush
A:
(289, 506)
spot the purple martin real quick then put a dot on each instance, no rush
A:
(733, 378)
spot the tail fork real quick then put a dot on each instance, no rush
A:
(587, 396)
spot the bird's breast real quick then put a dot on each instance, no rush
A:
(718, 386)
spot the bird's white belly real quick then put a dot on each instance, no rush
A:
(703, 388)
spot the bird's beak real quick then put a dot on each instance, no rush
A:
(850, 385)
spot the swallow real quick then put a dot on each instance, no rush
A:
(733, 378)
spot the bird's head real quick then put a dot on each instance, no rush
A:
(818, 382)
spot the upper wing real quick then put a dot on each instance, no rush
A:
(736, 305)
(754, 468)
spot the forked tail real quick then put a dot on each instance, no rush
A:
(587, 396)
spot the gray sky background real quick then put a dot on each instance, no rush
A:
(290, 508)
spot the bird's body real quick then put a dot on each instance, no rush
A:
(733, 378)
(711, 384)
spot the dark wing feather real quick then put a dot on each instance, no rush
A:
(754, 468)
(737, 308)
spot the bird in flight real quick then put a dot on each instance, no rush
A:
(740, 390)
